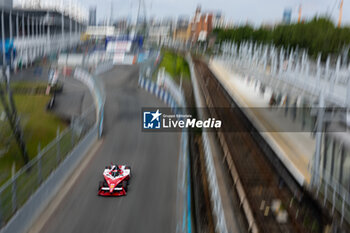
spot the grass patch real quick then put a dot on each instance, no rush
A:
(175, 65)
(16, 85)
(38, 125)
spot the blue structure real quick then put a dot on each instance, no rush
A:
(9, 48)
(287, 16)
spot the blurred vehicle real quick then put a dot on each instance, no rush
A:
(116, 180)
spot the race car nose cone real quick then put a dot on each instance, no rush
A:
(111, 188)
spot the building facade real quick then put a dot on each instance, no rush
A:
(31, 34)
(201, 26)
(92, 16)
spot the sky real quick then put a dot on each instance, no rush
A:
(237, 11)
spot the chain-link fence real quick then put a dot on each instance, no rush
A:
(16, 191)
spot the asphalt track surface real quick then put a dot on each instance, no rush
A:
(150, 205)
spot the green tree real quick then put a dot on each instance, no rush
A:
(317, 36)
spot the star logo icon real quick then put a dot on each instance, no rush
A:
(151, 120)
(156, 115)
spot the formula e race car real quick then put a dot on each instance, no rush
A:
(116, 180)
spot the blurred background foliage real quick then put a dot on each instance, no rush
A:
(175, 65)
(319, 35)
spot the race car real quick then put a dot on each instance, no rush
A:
(116, 180)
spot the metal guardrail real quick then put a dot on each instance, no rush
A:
(97, 90)
(331, 192)
(97, 63)
(164, 79)
(16, 191)
(31, 210)
(292, 67)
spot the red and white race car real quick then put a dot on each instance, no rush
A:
(116, 180)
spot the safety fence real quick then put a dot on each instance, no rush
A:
(24, 188)
(31, 48)
(220, 222)
(184, 222)
(97, 90)
(308, 81)
(164, 80)
(88, 67)
(16, 191)
(332, 194)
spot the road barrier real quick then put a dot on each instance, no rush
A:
(97, 61)
(27, 193)
(97, 91)
(184, 223)
(184, 179)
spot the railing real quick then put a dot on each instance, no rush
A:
(33, 47)
(16, 191)
(333, 194)
(265, 63)
(292, 67)
(97, 90)
(165, 80)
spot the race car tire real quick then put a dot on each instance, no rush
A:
(125, 185)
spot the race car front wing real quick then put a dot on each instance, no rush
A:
(104, 191)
